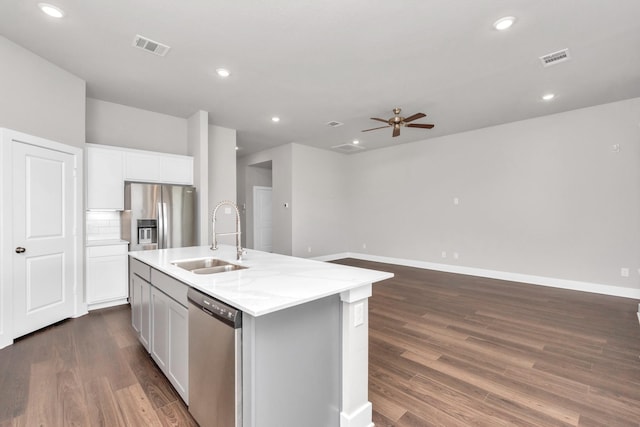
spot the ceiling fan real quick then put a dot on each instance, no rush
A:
(397, 122)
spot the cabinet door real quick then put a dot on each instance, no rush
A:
(106, 274)
(177, 170)
(145, 309)
(145, 167)
(160, 328)
(141, 309)
(178, 369)
(105, 183)
(136, 303)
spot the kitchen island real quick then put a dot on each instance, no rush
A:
(304, 331)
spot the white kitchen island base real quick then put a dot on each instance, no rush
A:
(304, 333)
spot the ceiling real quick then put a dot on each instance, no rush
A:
(311, 62)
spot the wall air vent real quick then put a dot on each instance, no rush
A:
(334, 124)
(150, 45)
(348, 148)
(555, 57)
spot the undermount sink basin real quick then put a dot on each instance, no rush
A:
(207, 265)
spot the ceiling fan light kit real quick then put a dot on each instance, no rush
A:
(397, 121)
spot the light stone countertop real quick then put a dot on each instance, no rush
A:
(270, 283)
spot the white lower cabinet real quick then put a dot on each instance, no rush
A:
(106, 276)
(169, 343)
(178, 337)
(160, 317)
(141, 309)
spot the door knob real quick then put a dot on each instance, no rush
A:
(20, 250)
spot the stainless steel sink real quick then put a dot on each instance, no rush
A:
(207, 265)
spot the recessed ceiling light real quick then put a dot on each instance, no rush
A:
(51, 10)
(223, 72)
(504, 23)
(355, 141)
(275, 119)
(548, 96)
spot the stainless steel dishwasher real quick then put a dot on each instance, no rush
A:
(215, 361)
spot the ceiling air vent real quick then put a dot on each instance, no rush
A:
(348, 148)
(555, 57)
(150, 45)
(334, 124)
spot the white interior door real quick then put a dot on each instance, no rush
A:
(262, 219)
(43, 234)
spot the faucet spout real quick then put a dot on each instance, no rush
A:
(214, 245)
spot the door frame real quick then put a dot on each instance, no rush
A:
(257, 188)
(8, 138)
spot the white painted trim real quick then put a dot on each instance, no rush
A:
(356, 294)
(333, 257)
(552, 282)
(107, 304)
(358, 418)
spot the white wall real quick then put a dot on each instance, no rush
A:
(198, 148)
(123, 126)
(39, 98)
(281, 167)
(222, 178)
(546, 197)
(260, 175)
(320, 201)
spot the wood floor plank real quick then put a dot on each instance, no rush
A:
(136, 408)
(102, 407)
(175, 414)
(71, 399)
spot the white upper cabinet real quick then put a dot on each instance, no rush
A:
(177, 169)
(109, 167)
(105, 189)
(144, 166)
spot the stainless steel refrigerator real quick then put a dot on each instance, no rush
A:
(158, 216)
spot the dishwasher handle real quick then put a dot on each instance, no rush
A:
(217, 309)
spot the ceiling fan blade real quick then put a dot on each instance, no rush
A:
(381, 127)
(414, 117)
(418, 125)
(396, 131)
(380, 120)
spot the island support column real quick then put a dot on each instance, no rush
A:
(356, 410)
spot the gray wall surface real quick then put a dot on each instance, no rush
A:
(321, 202)
(222, 178)
(281, 167)
(123, 126)
(548, 197)
(40, 98)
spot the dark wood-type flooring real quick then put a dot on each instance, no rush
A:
(454, 350)
(445, 350)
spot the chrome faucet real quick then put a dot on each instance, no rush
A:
(214, 246)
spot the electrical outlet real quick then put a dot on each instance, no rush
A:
(364, 246)
(456, 201)
(624, 272)
(309, 249)
(444, 254)
(455, 255)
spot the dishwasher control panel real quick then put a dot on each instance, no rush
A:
(215, 308)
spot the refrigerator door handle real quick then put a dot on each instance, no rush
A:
(165, 222)
(160, 227)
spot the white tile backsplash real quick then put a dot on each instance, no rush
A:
(103, 225)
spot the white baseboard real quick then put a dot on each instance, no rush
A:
(552, 282)
(361, 417)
